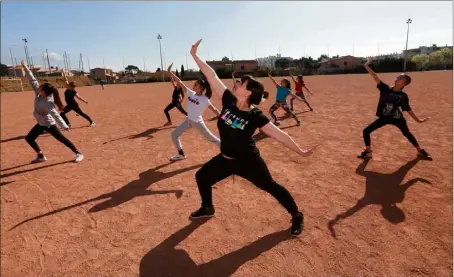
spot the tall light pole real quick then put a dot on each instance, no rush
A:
(160, 53)
(12, 63)
(27, 58)
(409, 21)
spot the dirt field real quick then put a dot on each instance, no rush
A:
(124, 210)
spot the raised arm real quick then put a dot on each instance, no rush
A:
(293, 77)
(274, 132)
(31, 79)
(216, 84)
(371, 72)
(272, 79)
(233, 78)
(176, 79)
(65, 78)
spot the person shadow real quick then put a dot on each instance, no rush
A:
(145, 134)
(382, 189)
(133, 189)
(166, 260)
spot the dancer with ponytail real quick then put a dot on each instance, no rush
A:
(299, 85)
(46, 97)
(198, 100)
(239, 119)
(177, 99)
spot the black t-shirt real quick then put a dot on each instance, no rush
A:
(69, 97)
(392, 102)
(237, 127)
(177, 91)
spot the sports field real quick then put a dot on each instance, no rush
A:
(124, 210)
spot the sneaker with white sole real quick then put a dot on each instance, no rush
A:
(92, 124)
(39, 159)
(79, 158)
(178, 157)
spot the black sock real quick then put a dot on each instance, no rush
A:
(181, 152)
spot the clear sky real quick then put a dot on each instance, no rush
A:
(244, 30)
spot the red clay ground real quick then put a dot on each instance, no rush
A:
(124, 210)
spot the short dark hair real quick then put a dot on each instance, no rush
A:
(255, 87)
(300, 77)
(72, 84)
(407, 78)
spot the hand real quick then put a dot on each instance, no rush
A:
(170, 67)
(23, 63)
(424, 120)
(269, 72)
(370, 60)
(309, 151)
(86, 102)
(195, 46)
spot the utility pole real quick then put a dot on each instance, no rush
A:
(160, 53)
(89, 68)
(12, 62)
(123, 60)
(143, 64)
(409, 21)
(82, 63)
(27, 57)
(69, 62)
(104, 63)
(187, 68)
(48, 63)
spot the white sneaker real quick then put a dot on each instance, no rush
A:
(39, 160)
(79, 158)
(92, 124)
(177, 157)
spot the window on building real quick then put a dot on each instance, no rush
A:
(345, 63)
(242, 67)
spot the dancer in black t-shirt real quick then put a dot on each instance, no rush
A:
(71, 103)
(177, 99)
(239, 156)
(393, 101)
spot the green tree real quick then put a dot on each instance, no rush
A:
(182, 71)
(176, 73)
(421, 60)
(3, 70)
(443, 56)
(132, 69)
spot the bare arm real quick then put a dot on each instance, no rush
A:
(216, 84)
(81, 99)
(31, 79)
(65, 79)
(304, 86)
(416, 118)
(272, 79)
(293, 77)
(371, 72)
(214, 110)
(281, 136)
(176, 79)
(54, 113)
(233, 78)
(296, 96)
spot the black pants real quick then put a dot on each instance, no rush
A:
(172, 105)
(75, 108)
(54, 131)
(380, 122)
(282, 105)
(253, 170)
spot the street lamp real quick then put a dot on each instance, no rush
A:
(160, 53)
(27, 57)
(409, 21)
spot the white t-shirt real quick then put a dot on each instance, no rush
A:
(196, 105)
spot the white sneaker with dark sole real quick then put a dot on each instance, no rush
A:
(177, 157)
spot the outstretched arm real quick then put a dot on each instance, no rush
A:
(31, 79)
(54, 113)
(371, 72)
(293, 77)
(272, 79)
(416, 118)
(80, 98)
(176, 79)
(272, 131)
(214, 110)
(304, 86)
(216, 84)
(296, 96)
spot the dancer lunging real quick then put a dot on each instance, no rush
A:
(198, 100)
(238, 121)
(177, 99)
(299, 85)
(393, 101)
(46, 97)
(71, 103)
(283, 90)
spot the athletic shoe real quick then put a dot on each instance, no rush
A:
(39, 159)
(311, 110)
(291, 109)
(297, 224)
(178, 157)
(366, 154)
(92, 124)
(424, 155)
(79, 158)
(277, 123)
(298, 123)
(203, 212)
(168, 123)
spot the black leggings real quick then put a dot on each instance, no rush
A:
(380, 122)
(54, 131)
(75, 108)
(253, 170)
(172, 105)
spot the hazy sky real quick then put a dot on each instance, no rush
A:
(243, 29)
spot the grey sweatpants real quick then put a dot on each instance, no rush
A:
(200, 126)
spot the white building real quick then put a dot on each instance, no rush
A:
(270, 61)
